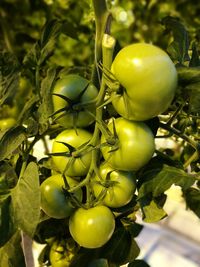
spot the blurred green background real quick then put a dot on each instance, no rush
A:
(22, 21)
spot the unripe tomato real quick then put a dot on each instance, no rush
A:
(79, 166)
(77, 90)
(135, 145)
(54, 202)
(24, 85)
(7, 123)
(61, 255)
(149, 80)
(93, 227)
(119, 186)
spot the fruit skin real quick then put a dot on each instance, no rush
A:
(149, 79)
(119, 186)
(93, 227)
(54, 202)
(60, 254)
(135, 145)
(71, 86)
(7, 123)
(75, 138)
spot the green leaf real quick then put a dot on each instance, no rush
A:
(134, 251)
(46, 108)
(138, 263)
(32, 57)
(50, 31)
(27, 109)
(134, 229)
(152, 210)
(98, 263)
(195, 60)
(83, 257)
(178, 49)
(189, 79)
(193, 92)
(49, 228)
(44, 48)
(192, 198)
(8, 176)
(44, 255)
(127, 207)
(121, 248)
(26, 200)
(188, 75)
(11, 140)
(11, 255)
(161, 179)
(70, 29)
(48, 38)
(9, 75)
(7, 225)
(32, 127)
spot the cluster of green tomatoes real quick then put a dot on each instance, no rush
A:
(96, 169)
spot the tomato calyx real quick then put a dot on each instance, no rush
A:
(107, 183)
(112, 83)
(67, 153)
(62, 252)
(73, 106)
(112, 140)
(71, 103)
(73, 152)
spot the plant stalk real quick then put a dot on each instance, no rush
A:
(101, 14)
(108, 45)
(186, 138)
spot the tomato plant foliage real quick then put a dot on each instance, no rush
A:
(93, 121)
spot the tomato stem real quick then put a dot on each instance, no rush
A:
(104, 47)
(101, 16)
(37, 80)
(193, 157)
(173, 117)
(183, 136)
(108, 44)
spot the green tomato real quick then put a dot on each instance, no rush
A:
(93, 227)
(149, 80)
(116, 186)
(135, 145)
(7, 123)
(77, 90)
(61, 254)
(9, 111)
(24, 85)
(54, 201)
(78, 166)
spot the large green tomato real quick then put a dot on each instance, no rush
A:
(77, 90)
(92, 228)
(61, 255)
(78, 166)
(135, 145)
(116, 186)
(149, 79)
(54, 202)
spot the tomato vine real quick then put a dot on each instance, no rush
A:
(97, 123)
